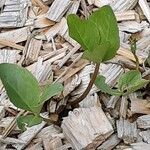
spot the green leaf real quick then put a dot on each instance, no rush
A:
(28, 121)
(98, 33)
(50, 91)
(21, 86)
(100, 83)
(131, 81)
(96, 55)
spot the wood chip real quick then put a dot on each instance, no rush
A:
(86, 118)
(100, 3)
(58, 9)
(33, 51)
(145, 136)
(112, 102)
(9, 56)
(140, 106)
(2, 112)
(49, 137)
(145, 8)
(121, 5)
(90, 101)
(14, 13)
(140, 146)
(16, 36)
(28, 135)
(123, 107)
(110, 143)
(127, 15)
(127, 131)
(143, 121)
(70, 84)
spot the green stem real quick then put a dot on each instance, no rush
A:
(133, 50)
(93, 78)
(137, 62)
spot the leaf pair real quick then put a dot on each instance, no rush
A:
(98, 35)
(23, 89)
(129, 82)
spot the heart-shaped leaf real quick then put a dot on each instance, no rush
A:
(131, 81)
(21, 87)
(98, 33)
(28, 121)
(104, 87)
(50, 91)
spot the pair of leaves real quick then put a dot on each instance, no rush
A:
(23, 89)
(98, 35)
(129, 82)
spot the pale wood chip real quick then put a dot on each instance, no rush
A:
(145, 8)
(127, 15)
(2, 112)
(140, 146)
(14, 13)
(9, 56)
(143, 121)
(127, 131)
(122, 5)
(145, 136)
(86, 128)
(90, 101)
(28, 135)
(58, 9)
(33, 50)
(140, 106)
(16, 36)
(123, 107)
(110, 143)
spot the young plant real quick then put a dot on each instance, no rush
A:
(24, 92)
(98, 36)
(129, 82)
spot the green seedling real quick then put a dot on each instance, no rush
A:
(129, 82)
(24, 92)
(99, 37)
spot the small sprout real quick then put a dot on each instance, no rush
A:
(129, 82)
(24, 92)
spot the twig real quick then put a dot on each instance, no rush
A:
(78, 100)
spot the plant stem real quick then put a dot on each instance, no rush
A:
(137, 62)
(133, 50)
(93, 78)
